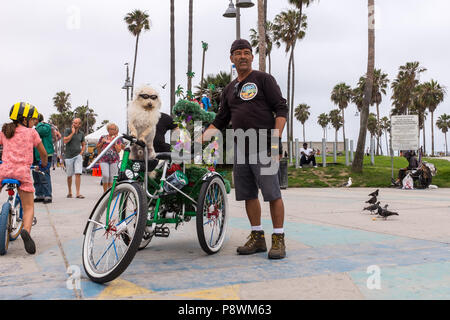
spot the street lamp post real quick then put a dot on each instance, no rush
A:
(127, 87)
(235, 12)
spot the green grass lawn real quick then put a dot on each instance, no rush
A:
(334, 175)
(377, 175)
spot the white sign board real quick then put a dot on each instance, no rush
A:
(234, 73)
(405, 132)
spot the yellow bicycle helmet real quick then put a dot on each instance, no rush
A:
(23, 110)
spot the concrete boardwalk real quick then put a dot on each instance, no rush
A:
(334, 252)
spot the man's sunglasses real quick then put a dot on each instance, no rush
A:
(146, 96)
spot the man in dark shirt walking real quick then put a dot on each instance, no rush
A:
(253, 102)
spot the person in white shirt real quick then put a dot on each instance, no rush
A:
(307, 156)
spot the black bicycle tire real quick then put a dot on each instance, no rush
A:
(133, 247)
(199, 215)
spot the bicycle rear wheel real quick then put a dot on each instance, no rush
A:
(108, 250)
(4, 228)
(212, 215)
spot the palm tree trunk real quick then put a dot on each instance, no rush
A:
(387, 145)
(432, 134)
(304, 140)
(203, 70)
(289, 138)
(191, 5)
(134, 65)
(291, 117)
(172, 55)
(357, 165)
(270, 63)
(343, 125)
(378, 135)
(262, 36)
(424, 139)
(446, 149)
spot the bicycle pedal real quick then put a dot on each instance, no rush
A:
(163, 232)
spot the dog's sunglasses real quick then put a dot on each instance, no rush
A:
(147, 96)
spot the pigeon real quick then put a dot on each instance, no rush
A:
(384, 212)
(372, 207)
(372, 200)
(374, 194)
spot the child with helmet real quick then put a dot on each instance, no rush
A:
(18, 139)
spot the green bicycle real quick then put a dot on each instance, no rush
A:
(138, 206)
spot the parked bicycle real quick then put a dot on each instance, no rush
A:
(11, 215)
(138, 207)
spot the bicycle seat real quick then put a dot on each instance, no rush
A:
(10, 181)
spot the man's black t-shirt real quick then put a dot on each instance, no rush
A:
(253, 103)
(165, 124)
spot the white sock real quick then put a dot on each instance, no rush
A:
(257, 228)
(278, 230)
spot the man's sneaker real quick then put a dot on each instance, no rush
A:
(30, 247)
(256, 243)
(315, 166)
(38, 199)
(278, 250)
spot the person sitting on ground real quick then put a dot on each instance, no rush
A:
(18, 139)
(307, 156)
(413, 164)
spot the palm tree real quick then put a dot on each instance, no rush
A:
(433, 94)
(270, 41)
(323, 120)
(341, 96)
(404, 85)
(443, 123)
(137, 22)
(385, 125)
(372, 125)
(302, 114)
(190, 32)
(380, 84)
(87, 117)
(61, 101)
(290, 26)
(336, 121)
(357, 164)
(419, 108)
(205, 48)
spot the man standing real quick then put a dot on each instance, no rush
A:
(251, 102)
(43, 182)
(307, 156)
(75, 146)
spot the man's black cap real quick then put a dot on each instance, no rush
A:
(240, 44)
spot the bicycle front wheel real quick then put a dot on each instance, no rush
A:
(4, 228)
(16, 220)
(109, 249)
(212, 215)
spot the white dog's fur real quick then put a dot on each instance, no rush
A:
(143, 116)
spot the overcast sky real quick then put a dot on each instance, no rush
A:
(44, 50)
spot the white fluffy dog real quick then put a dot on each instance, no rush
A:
(143, 116)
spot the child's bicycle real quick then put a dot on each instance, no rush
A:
(137, 207)
(11, 215)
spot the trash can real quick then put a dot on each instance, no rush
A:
(283, 173)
